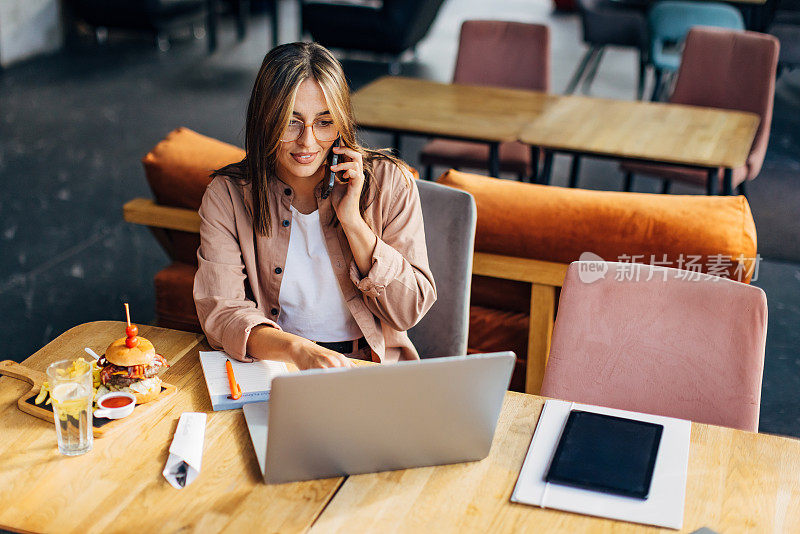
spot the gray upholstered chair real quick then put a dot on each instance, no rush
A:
(450, 217)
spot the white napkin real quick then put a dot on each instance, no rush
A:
(186, 451)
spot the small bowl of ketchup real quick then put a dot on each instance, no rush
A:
(115, 405)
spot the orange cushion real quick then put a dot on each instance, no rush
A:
(493, 330)
(178, 170)
(174, 302)
(514, 296)
(178, 167)
(558, 224)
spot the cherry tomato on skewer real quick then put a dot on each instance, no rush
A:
(131, 342)
(132, 330)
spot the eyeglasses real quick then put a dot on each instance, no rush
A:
(323, 129)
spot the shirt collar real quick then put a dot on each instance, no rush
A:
(279, 188)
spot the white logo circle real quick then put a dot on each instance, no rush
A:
(591, 267)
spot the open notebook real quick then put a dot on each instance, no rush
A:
(255, 379)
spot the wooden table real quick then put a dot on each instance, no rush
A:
(691, 136)
(470, 113)
(627, 130)
(738, 481)
(118, 486)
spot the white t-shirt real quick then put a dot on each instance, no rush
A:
(311, 301)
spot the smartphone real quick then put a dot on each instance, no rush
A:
(327, 187)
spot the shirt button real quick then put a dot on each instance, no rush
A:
(274, 311)
(287, 191)
(285, 222)
(278, 270)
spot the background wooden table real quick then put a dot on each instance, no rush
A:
(644, 131)
(471, 112)
(118, 486)
(649, 131)
(420, 107)
(692, 136)
(737, 482)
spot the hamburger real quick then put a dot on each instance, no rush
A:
(132, 369)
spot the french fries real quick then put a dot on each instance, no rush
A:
(43, 394)
(78, 367)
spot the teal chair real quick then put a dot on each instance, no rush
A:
(670, 21)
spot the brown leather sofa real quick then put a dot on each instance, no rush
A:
(526, 236)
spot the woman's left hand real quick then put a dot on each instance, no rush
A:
(347, 196)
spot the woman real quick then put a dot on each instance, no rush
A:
(287, 272)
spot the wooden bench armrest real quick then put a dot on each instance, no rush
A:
(146, 212)
(545, 277)
(520, 269)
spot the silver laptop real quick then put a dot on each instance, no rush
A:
(333, 422)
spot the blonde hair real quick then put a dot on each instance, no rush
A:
(271, 104)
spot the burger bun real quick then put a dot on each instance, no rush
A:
(118, 353)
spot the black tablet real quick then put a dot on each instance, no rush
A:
(605, 453)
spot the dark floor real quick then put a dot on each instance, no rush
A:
(74, 126)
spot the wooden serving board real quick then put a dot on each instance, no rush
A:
(101, 425)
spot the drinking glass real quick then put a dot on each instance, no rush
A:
(71, 393)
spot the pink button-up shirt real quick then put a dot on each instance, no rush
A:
(239, 272)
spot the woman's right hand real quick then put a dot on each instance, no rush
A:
(308, 355)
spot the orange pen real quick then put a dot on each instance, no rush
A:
(236, 391)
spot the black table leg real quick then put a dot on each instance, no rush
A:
(273, 18)
(547, 167)
(494, 159)
(628, 185)
(712, 182)
(534, 164)
(727, 182)
(242, 12)
(211, 25)
(396, 143)
(574, 170)
(752, 17)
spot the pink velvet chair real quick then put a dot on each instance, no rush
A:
(500, 54)
(725, 69)
(686, 348)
